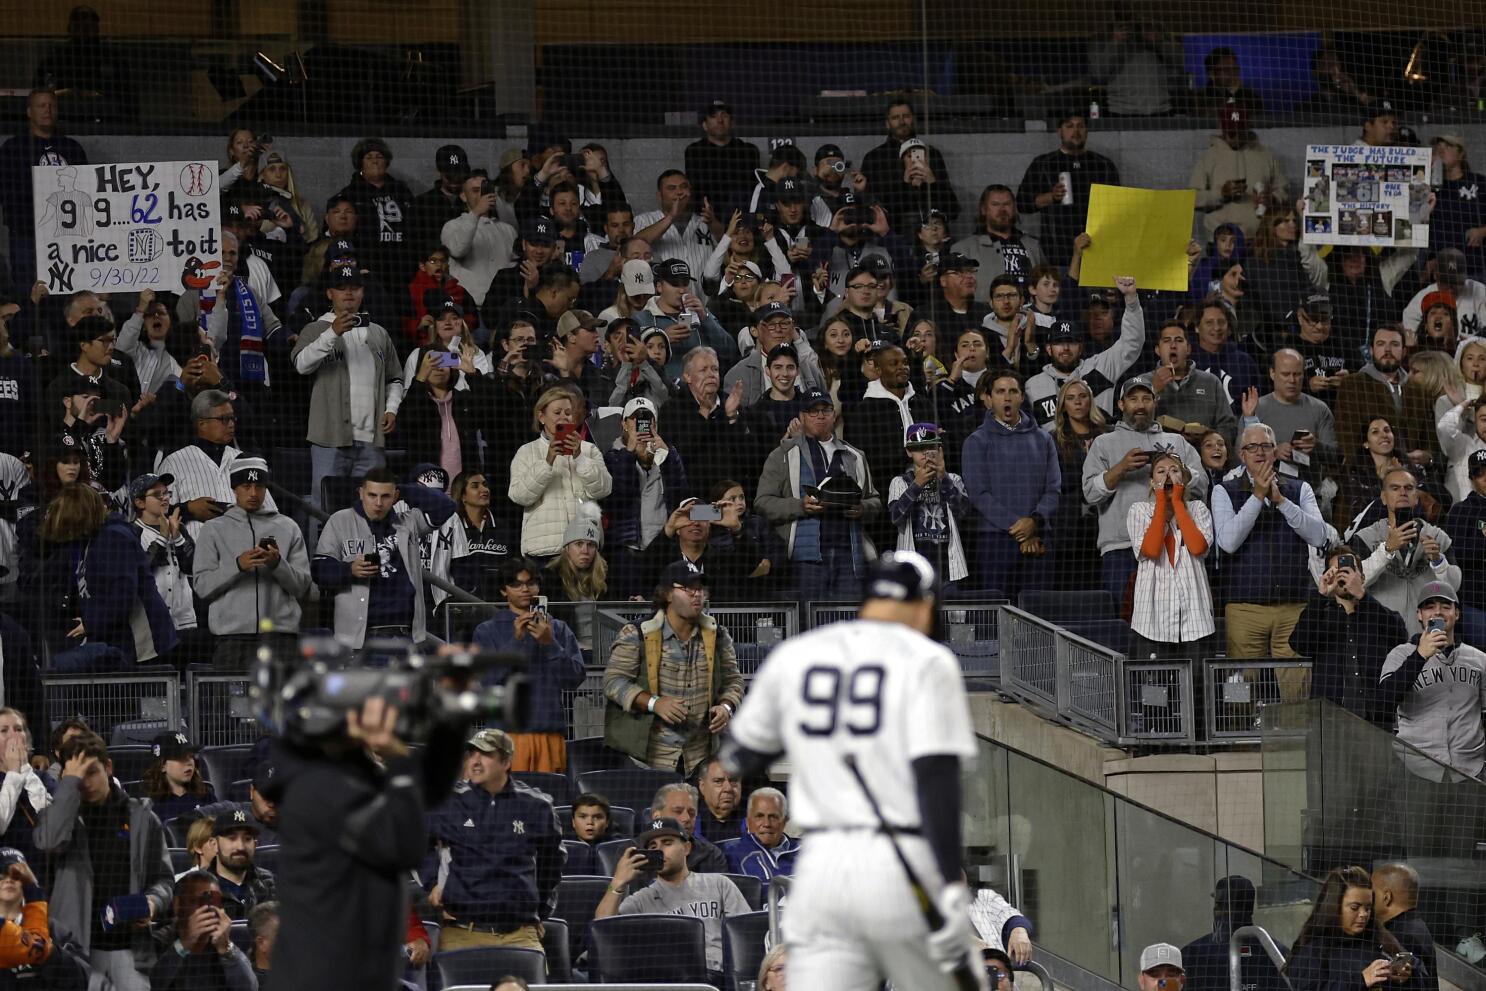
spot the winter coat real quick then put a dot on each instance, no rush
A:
(553, 495)
(238, 601)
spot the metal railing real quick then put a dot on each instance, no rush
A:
(1237, 690)
(219, 710)
(1236, 943)
(121, 708)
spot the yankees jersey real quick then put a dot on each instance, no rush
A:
(13, 478)
(198, 477)
(877, 691)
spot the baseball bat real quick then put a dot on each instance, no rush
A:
(964, 977)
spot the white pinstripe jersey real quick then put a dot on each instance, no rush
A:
(196, 477)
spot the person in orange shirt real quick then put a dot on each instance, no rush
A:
(25, 936)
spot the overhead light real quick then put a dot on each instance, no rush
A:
(266, 67)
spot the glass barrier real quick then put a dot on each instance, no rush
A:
(1339, 790)
(1103, 876)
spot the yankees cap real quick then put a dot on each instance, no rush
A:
(234, 815)
(171, 746)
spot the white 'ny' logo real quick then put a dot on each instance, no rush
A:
(239, 816)
(518, 827)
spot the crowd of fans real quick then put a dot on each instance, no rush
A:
(536, 386)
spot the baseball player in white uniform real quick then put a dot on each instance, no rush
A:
(873, 717)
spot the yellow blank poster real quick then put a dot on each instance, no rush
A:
(1139, 232)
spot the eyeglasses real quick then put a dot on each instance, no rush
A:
(863, 285)
(821, 411)
(1257, 448)
(1006, 295)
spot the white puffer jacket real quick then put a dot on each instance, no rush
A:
(554, 495)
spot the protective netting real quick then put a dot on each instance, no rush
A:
(1153, 324)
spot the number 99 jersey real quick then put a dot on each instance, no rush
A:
(878, 691)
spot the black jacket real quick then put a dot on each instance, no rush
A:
(875, 426)
(1411, 932)
(1347, 653)
(351, 834)
(1332, 964)
(721, 173)
(1466, 525)
(1206, 963)
(1061, 224)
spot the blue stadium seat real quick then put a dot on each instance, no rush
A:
(590, 754)
(623, 949)
(558, 786)
(577, 899)
(632, 787)
(483, 964)
(743, 942)
(555, 942)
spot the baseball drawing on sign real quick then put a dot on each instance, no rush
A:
(196, 179)
(69, 211)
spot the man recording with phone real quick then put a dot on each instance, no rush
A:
(649, 479)
(1346, 633)
(661, 851)
(1403, 553)
(1438, 689)
(202, 957)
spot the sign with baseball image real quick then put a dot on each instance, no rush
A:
(125, 226)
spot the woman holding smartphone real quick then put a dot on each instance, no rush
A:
(557, 477)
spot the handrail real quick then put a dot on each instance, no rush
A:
(1235, 955)
(452, 590)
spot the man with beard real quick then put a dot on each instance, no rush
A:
(243, 884)
(954, 309)
(896, 181)
(1001, 248)
(1378, 391)
(1065, 348)
(1113, 479)
(1043, 189)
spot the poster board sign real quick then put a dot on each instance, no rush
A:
(126, 226)
(1138, 232)
(1357, 194)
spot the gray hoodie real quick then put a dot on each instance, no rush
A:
(238, 600)
(59, 834)
(1114, 504)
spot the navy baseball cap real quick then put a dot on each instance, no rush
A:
(540, 231)
(341, 276)
(148, 480)
(1373, 111)
(902, 576)
(664, 826)
(336, 200)
(827, 151)
(957, 262)
(234, 815)
(438, 302)
(1063, 332)
(771, 310)
(171, 746)
(451, 160)
(716, 107)
(673, 271)
(816, 397)
(789, 190)
(1477, 463)
(429, 475)
(684, 574)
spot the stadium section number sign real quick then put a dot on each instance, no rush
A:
(1356, 194)
(127, 226)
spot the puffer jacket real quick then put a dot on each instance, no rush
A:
(552, 496)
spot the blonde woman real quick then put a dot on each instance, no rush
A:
(279, 178)
(556, 478)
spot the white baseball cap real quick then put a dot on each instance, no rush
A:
(636, 404)
(1160, 955)
(637, 278)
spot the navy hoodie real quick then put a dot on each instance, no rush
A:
(1001, 495)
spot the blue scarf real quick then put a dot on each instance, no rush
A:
(252, 365)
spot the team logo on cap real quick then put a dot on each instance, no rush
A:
(239, 816)
(253, 476)
(453, 159)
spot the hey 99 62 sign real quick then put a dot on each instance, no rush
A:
(126, 226)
